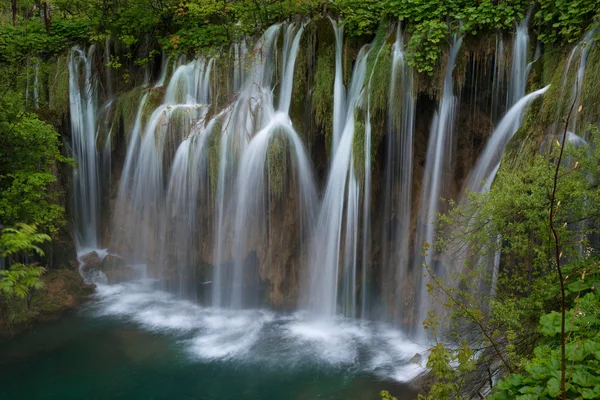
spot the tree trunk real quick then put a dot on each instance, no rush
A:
(14, 11)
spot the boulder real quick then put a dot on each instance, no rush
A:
(90, 261)
(111, 262)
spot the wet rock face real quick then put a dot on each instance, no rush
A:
(90, 261)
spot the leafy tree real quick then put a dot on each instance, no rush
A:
(18, 243)
(29, 153)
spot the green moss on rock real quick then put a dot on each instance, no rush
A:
(322, 100)
(214, 156)
(590, 90)
(58, 85)
(380, 81)
(277, 159)
(64, 289)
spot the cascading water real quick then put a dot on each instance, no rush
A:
(483, 173)
(262, 172)
(241, 121)
(83, 97)
(220, 200)
(398, 177)
(519, 70)
(152, 146)
(339, 95)
(439, 154)
(326, 256)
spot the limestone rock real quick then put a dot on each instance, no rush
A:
(90, 261)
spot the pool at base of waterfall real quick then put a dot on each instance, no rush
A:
(133, 341)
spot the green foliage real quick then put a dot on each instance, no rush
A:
(22, 239)
(32, 39)
(430, 22)
(564, 20)
(450, 368)
(541, 376)
(361, 17)
(19, 279)
(378, 77)
(519, 325)
(29, 153)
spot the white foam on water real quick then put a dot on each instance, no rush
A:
(262, 337)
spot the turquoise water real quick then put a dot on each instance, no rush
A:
(132, 342)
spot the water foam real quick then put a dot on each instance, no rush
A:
(262, 337)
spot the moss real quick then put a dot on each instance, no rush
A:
(558, 97)
(127, 106)
(58, 85)
(590, 89)
(525, 142)
(551, 60)
(322, 99)
(154, 99)
(358, 145)
(433, 85)
(222, 69)
(299, 89)
(64, 289)
(214, 156)
(277, 159)
(380, 81)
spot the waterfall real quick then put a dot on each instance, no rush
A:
(339, 96)
(139, 217)
(483, 173)
(290, 51)
(366, 234)
(438, 158)
(164, 66)
(242, 120)
(583, 48)
(325, 250)
(82, 96)
(398, 178)
(519, 70)
(221, 201)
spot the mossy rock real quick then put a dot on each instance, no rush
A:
(277, 160)
(590, 90)
(64, 290)
(322, 98)
(214, 156)
(58, 85)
